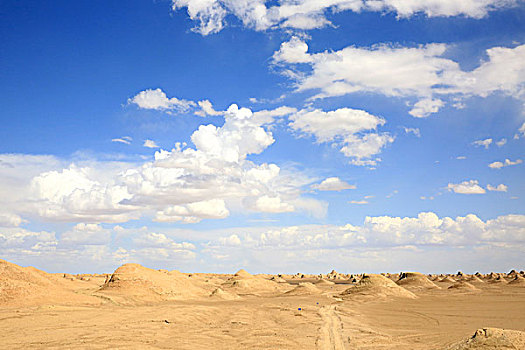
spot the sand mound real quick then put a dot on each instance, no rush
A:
(497, 280)
(493, 339)
(306, 288)
(323, 282)
(219, 293)
(463, 286)
(518, 281)
(29, 286)
(133, 283)
(249, 284)
(377, 286)
(278, 279)
(447, 279)
(243, 274)
(415, 280)
(475, 280)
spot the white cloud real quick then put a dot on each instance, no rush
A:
(124, 139)
(150, 144)
(327, 126)
(390, 70)
(232, 240)
(159, 240)
(10, 220)
(158, 100)
(333, 184)
(507, 162)
(207, 109)
(310, 14)
(501, 142)
(483, 143)
(414, 131)
(426, 107)
(194, 212)
(186, 184)
(269, 204)
(365, 147)
(86, 234)
(466, 187)
(499, 188)
(361, 202)
(522, 129)
(345, 126)
(427, 229)
(461, 157)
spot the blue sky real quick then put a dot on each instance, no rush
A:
(276, 136)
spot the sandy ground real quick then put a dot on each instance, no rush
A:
(262, 314)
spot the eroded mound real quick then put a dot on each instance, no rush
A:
(30, 286)
(447, 279)
(278, 279)
(306, 288)
(244, 283)
(243, 274)
(377, 286)
(219, 293)
(493, 339)
(323, 282)
(518, 281)
(463, 286)
(136, 283)
(475, 280)
(415, 280)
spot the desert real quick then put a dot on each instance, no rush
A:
(262, 174)
(140, 308)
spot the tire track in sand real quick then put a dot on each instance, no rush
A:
(330, 333)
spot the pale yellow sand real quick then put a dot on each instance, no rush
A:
(140, 308)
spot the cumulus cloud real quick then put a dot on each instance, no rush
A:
(150, 144)
(184, 184)
(194, 212)
(427, 229)
(426, 107)
(501, 142)
(310, 14)
(389, 70)
(466, 187)
(498, 188)
(159, 240)
(350, 128)
(10, 220)
(207, 109)
(333, 184)
(158, 100)
(483, 143)
(507, 162)
(86, 234)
